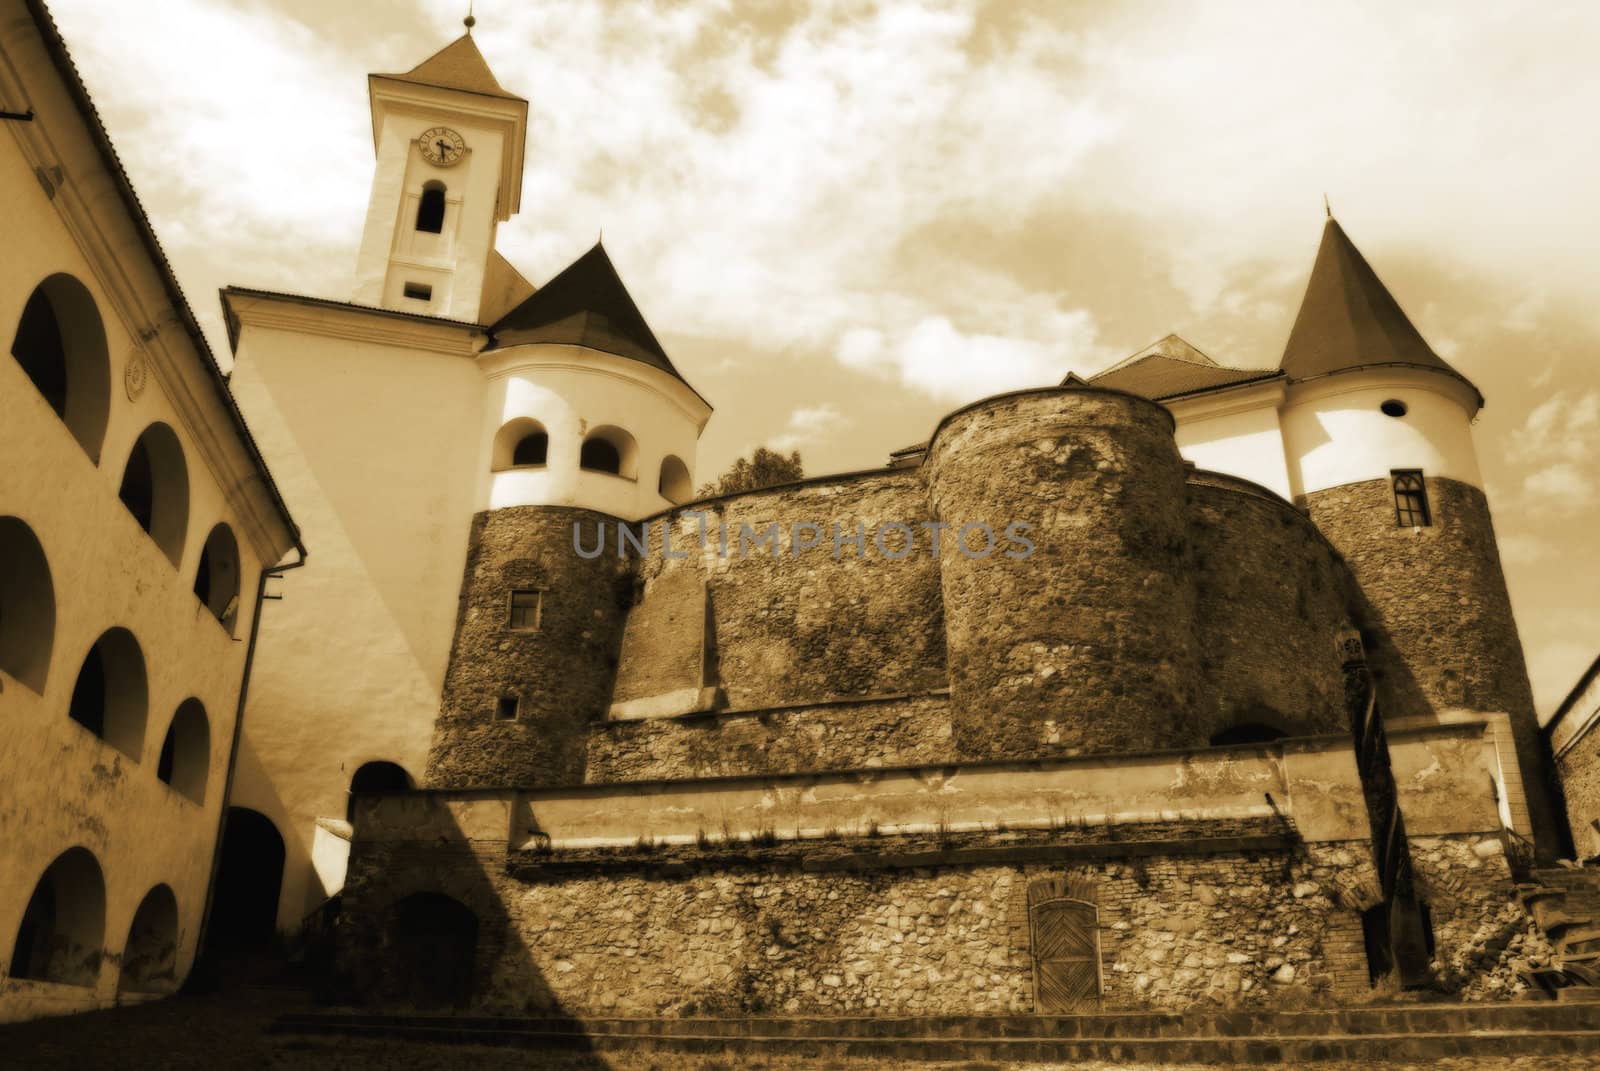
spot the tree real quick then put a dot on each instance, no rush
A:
(761, 469)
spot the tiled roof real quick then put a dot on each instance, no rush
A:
(458, 65)
(1171, 368)
(585, 305)
(1348, 318)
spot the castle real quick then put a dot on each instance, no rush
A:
(1183, 683)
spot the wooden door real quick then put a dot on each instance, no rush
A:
(1066, 955)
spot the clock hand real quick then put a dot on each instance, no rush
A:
(444, 148)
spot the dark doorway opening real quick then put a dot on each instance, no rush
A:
(244, 907)
(435, 941)
(376, 777)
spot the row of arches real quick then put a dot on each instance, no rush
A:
(525, 443)
(62, 935)
(60, 344)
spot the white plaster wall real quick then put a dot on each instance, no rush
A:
(571, 391)
(1240, 442)
(1335, 433)
(60, 786)
(376, 447)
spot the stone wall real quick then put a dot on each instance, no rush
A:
(1087, 643)
(1228, 928)
(1480, 930)
(1437, 617)
(847, 734)
(1270, 604)
(1579, 767)
(560, 674)
(806, 626)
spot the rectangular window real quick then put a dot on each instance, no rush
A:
(527, 610)
(506, 709)
(420, 291)
(1410, 499)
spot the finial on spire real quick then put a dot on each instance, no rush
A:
(469, 22)
(1326, 207)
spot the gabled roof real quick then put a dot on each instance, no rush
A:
(1348, 318)
(1171, 368)
(458, 65)
(585, 305)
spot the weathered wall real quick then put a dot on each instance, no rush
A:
(1269, 608)
(806, 625)
(1087, 644)
(1225, 928)
(1438, 623)
(896, 731)
(1579, 767)
(560, 673)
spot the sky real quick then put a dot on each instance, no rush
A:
(845, 219)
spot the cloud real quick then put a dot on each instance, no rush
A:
(1562, 487)
(1562, 427)
(807, 425)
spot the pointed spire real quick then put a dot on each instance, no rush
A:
(1348, 318)
(458, 65)
(585, 305)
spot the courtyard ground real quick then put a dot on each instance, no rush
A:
(226, 1031)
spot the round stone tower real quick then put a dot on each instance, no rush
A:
(1377, 432)
(1086, 643)
(587, 425)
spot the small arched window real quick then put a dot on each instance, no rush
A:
(609, 449)
(61, 345)
(675, 485)
(430, 208)
(1410, 499)
(216, 580)
(27, 605)
(111, 692)
(531, 449)
(185, 762)
(155, 488)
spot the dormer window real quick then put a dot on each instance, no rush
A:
(1410, 499)
(430, 210)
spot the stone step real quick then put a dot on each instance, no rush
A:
(1285, 1049)
(1243, 1023)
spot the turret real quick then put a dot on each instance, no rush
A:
(1377, 432)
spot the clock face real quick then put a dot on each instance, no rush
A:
(441, 146)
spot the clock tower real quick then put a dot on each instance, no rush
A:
(449, 143)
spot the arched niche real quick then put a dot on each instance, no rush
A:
(675, 484)
(520, 443)
(155, 488)
(430, 207)
(62, 935)
(27, 605)
(376, 776)
(185, 762)
(60, 342)
(216, 578)
(610, 449)
(111, 693)
(150, 958)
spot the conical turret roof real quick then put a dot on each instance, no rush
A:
(1348, 319)
(458, 65)
(585, 305)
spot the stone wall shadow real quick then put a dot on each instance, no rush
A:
(412, 855)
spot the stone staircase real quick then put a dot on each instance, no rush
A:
(1565, 904)
(1413, 1032)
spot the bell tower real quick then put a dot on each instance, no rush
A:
(449, 143)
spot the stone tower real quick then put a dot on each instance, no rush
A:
(1377, 432)
(449, 143)
(591, 426)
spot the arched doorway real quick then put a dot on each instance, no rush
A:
(376, 777)
(244, 906)
(435, 941)
(62, 936)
